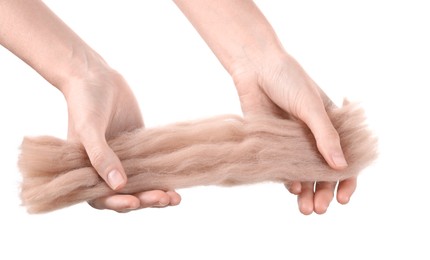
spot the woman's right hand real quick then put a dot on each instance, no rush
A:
(280, 87)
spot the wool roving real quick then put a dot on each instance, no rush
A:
(225, 150)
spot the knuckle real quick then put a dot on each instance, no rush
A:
(333, 136)
(97, 157)
(328, 135)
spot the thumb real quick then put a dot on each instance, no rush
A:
(105, 161)
(326, 136)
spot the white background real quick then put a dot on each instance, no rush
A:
(374, 52)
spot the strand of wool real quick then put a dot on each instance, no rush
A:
(225, 150)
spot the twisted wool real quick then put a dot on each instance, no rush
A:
(224, 150)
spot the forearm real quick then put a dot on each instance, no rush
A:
(37, 36)
(235, 30)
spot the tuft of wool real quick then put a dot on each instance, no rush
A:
(225, 150)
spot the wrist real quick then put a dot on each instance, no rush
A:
(256, 61)
(83, 65)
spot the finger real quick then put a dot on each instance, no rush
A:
(153, 198)
(345, 190)
(294, 187)
(175, 198)
(326, 136)
(324, 193)
(104, 160)
(120, 203)
(306, 198)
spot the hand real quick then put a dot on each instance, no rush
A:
(100, 103)
(280, 87)
(100, 107)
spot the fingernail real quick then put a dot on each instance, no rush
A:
(115, 179)
(339, 160)
(163, 202)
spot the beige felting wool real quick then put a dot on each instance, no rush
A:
(226, 150)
